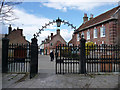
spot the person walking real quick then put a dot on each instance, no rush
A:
(52, 56)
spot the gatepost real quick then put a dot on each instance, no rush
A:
(5, 45)
(82, 56)
(34, 58)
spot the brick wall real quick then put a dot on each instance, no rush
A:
(110, 31)
(118, 28)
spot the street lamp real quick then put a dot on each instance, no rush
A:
(58, 21)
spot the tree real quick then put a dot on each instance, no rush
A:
(6, 10)
(89, 46)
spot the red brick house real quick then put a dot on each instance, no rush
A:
(15, 37)
(103, 29)
(52, 41)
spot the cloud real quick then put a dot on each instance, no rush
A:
(66, 34)
(31, 24)
(75, 4)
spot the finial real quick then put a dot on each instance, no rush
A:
(9, 25)
(34, 36)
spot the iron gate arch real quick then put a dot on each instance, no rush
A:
(51, 23)
(34, 56)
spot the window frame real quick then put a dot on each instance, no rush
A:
(95, 33)
(102, 31)
(82, 34)
(88, 34)
(78, 38)
(51, 44)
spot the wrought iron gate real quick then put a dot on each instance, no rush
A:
(67, 59)
(19, 58)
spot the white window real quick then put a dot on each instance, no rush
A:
(103, 42)
(78, 37)
(102, 31)
(82, 34)
(95, 33)
(88, 34)
(70, 44)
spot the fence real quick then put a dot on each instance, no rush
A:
(95, 58)
(67, 59)
(103, 58)
(18, 58)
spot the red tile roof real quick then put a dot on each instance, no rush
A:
(101, 17)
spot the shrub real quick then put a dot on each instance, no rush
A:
(89, 46)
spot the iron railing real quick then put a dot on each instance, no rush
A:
(103, 58)
(18, 58)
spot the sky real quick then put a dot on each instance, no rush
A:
(32, 15)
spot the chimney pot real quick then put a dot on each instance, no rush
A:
(48, 37)
(9, 29)
(51, 36)
(58, 31)
(85, 18)
(85, 14)
(17, 28)
(91, 16)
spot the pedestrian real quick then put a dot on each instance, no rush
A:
(52, 56)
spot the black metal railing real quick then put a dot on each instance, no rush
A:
(98, 58)
(18, 58)
(67, 59)
(103, 58)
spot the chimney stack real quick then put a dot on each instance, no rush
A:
(58, 31)
(51, 36)
(9, 29)
(91, 16)
(42, 42)
(85, 18)
(72, 35)
(21, 31)
(48, 37)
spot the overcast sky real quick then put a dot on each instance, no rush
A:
(33, 15)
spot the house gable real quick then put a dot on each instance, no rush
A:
(16, 37)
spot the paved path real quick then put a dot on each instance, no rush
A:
(48, 79)
(45, 80)
(45, 65)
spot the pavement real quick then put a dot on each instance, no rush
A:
(46, 78)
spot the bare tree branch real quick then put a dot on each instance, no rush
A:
(6, 10)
